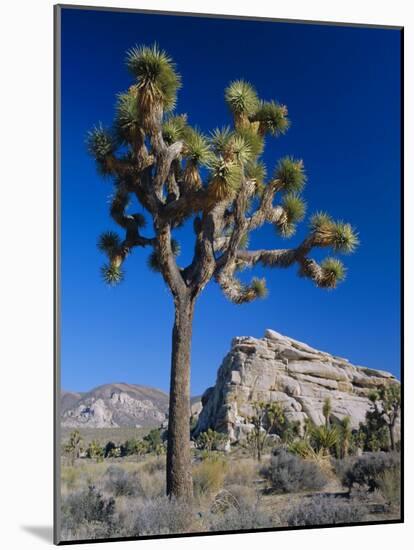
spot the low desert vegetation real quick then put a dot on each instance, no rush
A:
(289, 473)
(282, 475)
(325, 510)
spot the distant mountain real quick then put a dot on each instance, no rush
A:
(113, 405)
(68, 399)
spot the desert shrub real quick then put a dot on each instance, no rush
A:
(289, 473)
(389, 485)
(366, 470)
(210, 440)
(121, 483)
(325, 510)
(301, 447)
(236, 509)
(134, 447)
(324, 438)
(154, 442)
(70, 476)
(111, 450)
(161, 516)
(87, 511)
(95, 450)
(241, 472)
(373, 435)
(153, 485)
(153, 465)
(208, 476)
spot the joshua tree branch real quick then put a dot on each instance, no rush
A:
(266, 211)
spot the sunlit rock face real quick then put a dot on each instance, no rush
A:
(278, 368)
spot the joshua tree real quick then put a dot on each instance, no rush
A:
(386, 404)
(209, 440)
(95, 450)
(266, 417)
(178, 175)
(327, 411)
(345, 436)
(74, 446)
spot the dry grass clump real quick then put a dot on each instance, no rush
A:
(158, 516)
(153, 464)
(389, 485)
(241, 472)
(208, 476)
(237, 508)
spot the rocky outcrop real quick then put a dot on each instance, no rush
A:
(278, 368)
(114, 405)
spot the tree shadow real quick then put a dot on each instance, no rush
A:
(43, 532)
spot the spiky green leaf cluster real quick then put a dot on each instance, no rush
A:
(319, 220)
(225, 174)
(254, 140)
(345, 239)
(109, 242)
(294, 207)
(286, 229)
(155, 70)
(255, 171)
(112, 274)
(197, 147)
(272, 117)
(127, 116)
(259, 287)
(290, 173)
(174, 128)
(294, 211)
(241, 97)
(221, 139)
(100, 142)
(241, 149)
(244, 241)
(334, 271)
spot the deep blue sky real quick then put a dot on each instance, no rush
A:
(342, 88)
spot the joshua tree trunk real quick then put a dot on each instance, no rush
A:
(179, 479)
(392, 438)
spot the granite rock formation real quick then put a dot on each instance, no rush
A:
(279, 368)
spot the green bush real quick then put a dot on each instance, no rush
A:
(111, 450)
(366, 470)
(87, 509)
(209, 440)
(154, 441)
(134, 447)
(95, 450)
(289, 473)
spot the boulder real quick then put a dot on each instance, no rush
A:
(277, 368)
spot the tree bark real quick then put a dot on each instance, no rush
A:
(179, 478)
(392, 438)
